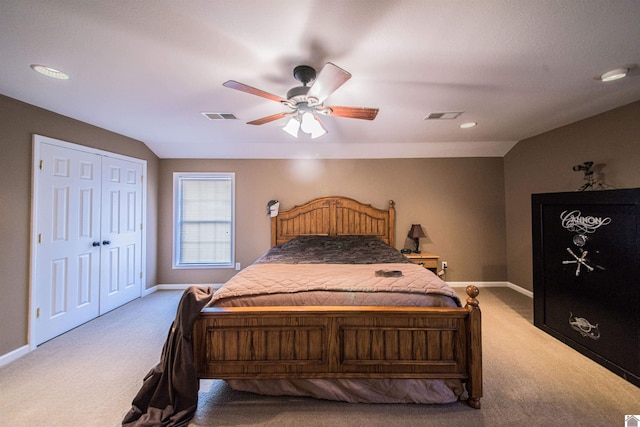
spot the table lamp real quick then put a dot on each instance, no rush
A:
(416, 233)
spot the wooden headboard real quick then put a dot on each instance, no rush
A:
(334, 216)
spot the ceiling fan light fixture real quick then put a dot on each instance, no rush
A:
(612, 75)
(308, 101)
(307, 123)
(318, 129)
(311, 125)
(292, 127)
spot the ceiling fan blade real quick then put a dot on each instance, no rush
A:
(354, 112)
(252, 90)
(331, 77)
(268, 119)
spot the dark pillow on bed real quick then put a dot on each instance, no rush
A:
(350, 249)
(333, 242)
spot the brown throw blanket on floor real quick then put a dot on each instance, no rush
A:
(169, 393)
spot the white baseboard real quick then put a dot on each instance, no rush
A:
(19, 352)
(492, 285)
(177, 287)
(149, 291)
(520, 289)
(5, 359)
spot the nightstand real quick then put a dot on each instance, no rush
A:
(427, 260)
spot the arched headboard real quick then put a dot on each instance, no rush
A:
(334, 216)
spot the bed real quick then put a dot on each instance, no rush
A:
(354, 329)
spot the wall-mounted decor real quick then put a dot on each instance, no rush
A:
(586, 274)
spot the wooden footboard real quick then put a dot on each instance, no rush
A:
(342, 342)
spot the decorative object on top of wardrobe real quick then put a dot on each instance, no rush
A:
(592, 183)
(306, 102)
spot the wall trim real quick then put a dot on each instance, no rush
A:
(5, 359)
(520, 289)
(184, 286)
(177, 287)
(510, 285)
(19, 352)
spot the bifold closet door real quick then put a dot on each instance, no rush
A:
(88, 210)
(121, 254)
(68, 248)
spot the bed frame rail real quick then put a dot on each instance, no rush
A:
(342, 342)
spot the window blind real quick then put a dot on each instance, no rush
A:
(205, 220)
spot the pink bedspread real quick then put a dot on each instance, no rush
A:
(335, 284)
(343, 284)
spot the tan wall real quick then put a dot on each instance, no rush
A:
(18, 122)
(544, 164)
(459, 202)
(462, 203)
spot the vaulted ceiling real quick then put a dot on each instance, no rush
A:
(149, 69)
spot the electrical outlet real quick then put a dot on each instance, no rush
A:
(444, 264)
(237, 266)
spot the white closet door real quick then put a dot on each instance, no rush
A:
(88, 242)
(121, 253)
(67, 274)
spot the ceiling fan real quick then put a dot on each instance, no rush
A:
(307, 102)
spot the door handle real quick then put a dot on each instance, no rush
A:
(106, 242)
(94, 244)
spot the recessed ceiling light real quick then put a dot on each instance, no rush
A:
(50, 72)
(468, 125)
(612, 75)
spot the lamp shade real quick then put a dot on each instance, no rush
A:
(308, 122)
(292, 127)
(416, 232)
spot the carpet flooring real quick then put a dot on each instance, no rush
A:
(88, 377)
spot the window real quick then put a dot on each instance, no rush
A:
(203, 219)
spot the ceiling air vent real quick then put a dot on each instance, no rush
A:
(219, 116)
(443, 116)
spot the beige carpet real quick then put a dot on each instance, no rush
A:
(88, 377)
